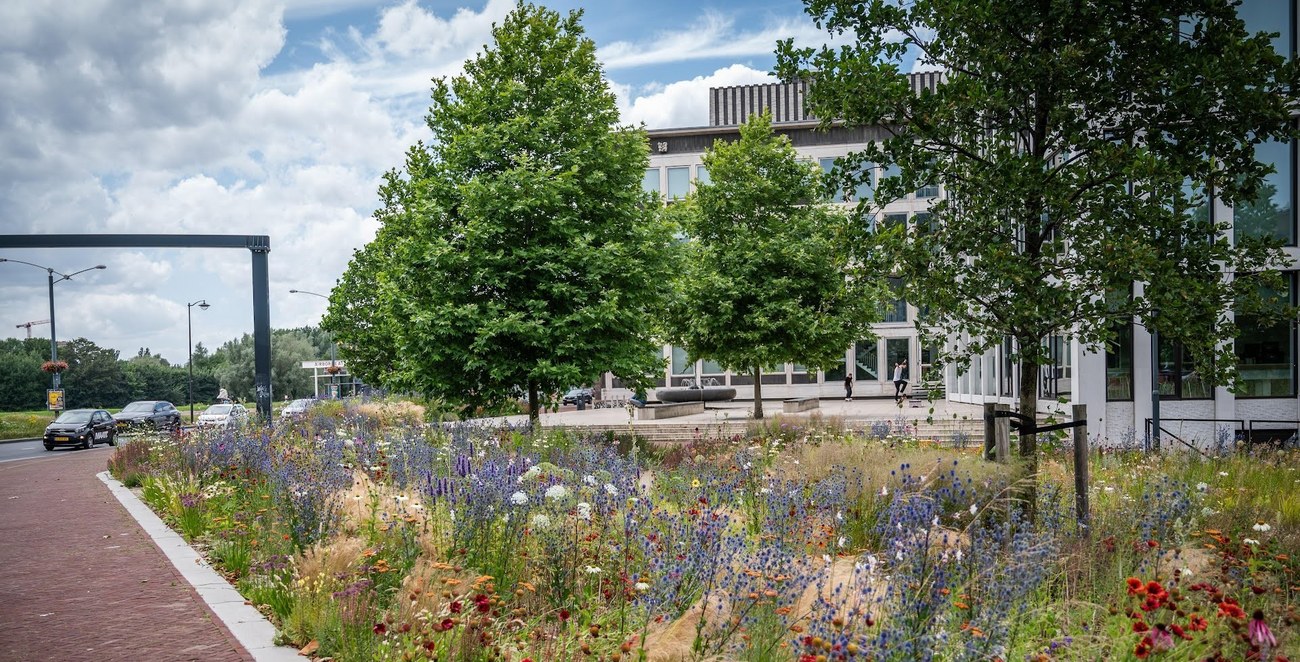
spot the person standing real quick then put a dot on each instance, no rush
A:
(900, 380)
(848, 387)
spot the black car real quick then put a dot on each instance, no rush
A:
(156, 414)
(81, 427)
(576, 395)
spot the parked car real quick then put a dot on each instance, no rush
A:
(81, 427)
(155, 414)
(575, 395)
(223, 416)
(296, 409)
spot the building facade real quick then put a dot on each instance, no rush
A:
(1117, 384)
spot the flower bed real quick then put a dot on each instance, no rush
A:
(365, 540)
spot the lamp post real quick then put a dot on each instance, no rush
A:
(50, 272)
(189, 336)
(333, 345)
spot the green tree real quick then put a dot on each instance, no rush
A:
(767, 269)
(527, 258)
(94, 376)
(359, 312)
(235, 361)
(22, 383)
(1073, 141)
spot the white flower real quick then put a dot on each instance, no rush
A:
(539, 521)
(765, 490)
(452, 515)
(591, 570)
(519, 499)
(973, 510)
(898, 555)
(584, 510)
(841, 542)
(1185, 572)
(959, 555)
(1250, 541)
(1207, 511)
(1223, 473)
(417, 506)
(402, 497)
(641, 587)
(589, 479)
(1201, 487)
(610, 489)
(532, 472)
(557, 492)
(1262, 527)
(884, 490)
(1108, 488)
(826, 558)
(839, 516)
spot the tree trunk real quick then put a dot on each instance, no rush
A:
(533, 414)
(758, 392)
(1029, 376)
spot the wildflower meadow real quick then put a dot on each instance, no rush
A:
(365, 533)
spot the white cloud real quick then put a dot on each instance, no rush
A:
(684, 103)
(713, 36)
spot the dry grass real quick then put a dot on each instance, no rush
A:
(320, 566)
(877, 465)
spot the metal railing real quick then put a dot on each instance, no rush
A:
(1239, 426)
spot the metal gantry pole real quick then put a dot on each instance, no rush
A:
(54, 345)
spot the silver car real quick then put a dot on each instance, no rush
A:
(223, 416)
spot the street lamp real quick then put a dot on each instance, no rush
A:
(333, 345)
(189, 335)
(54, 348)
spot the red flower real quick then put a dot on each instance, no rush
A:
(564, 614)
(455, 606)
(1179, 631)
(1231, 610)
(446, 624)
(380, 628)
(1134, 585)
(1140, 626)
(1143, 648)
(1197, 623)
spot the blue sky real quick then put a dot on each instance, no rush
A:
(272, 117)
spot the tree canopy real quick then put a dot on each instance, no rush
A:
(1077, 144)
(767, 279)
(524, 255)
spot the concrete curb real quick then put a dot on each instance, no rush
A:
(15, 441)
(250, 627)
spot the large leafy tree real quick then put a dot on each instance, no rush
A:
(525, 257)
(768, 275)
(1075, 143)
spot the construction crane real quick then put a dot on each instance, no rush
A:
(29, 325)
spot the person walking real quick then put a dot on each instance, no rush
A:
(848, 387)
(900, 380)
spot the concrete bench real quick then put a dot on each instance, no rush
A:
(669, 410)
(796, 405)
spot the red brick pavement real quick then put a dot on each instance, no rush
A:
(79, 579)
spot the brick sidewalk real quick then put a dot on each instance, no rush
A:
(79, 580)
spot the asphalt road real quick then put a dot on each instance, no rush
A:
(22, 450)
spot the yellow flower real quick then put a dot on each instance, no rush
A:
(695, 483)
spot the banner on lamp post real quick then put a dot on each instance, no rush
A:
(54, 398)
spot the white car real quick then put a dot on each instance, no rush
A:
(222, 416)
(296, 409)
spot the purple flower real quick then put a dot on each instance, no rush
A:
(1260, 635)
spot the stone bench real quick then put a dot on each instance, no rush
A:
(669, 410)
(796, 405)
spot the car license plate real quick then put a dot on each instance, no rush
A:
(60, 438)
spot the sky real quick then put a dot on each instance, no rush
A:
(273, 117)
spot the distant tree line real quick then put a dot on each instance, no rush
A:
(100, 377)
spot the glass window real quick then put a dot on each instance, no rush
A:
(835, 373)
(651, 180)
(865, 365)
(702, 175)
(898, 350)
(711, 368)
(1266, 351)
(828, 166)
(680, 364)
(866, 180)
(679, 182)
(1055, 381)
(890, 171)
(896, 308)
(1269, 16)
(928, 191)
(1119, 362)
(1270, 214)
(1178, 376)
